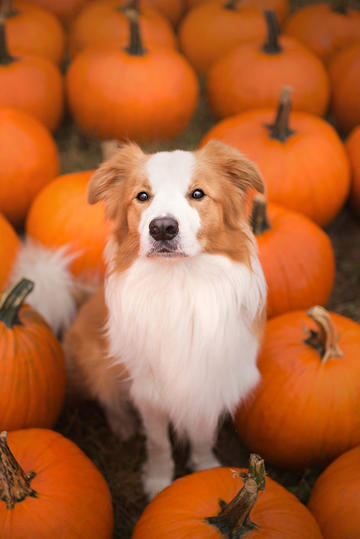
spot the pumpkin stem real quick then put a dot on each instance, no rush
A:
(259, 219)
(5, 56)
(7, 9)
(12, 300)
(231, 4)
(280, 129)
(325, 340)
(135, 47)
(14, 482)
(272, 45)
(340, 6)
(233, 521)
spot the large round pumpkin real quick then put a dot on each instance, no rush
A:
(296, 256)
(305, 411)
(28, 161)
(60, 216)
(300, 155)
(281, 7)
(352, 146)
(9, 246)
(127, 93)
(32, 383)
(335, 498)
(268, 66)
(50, 488)
(226, 502)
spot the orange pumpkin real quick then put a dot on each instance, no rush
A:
(226, 502)
(268, 66)
(105, 22)
(305, 411)
(9, 246)
(30, 83)
(325, 27)
(28, 160)
(64, 10)
(334, 500)
(32, 364)
(127, 95)
(296, 256)
(344, 71)
(210, 30)
(33, 30)
(352, 146)
(171, 9)
(301, 157)
(281, 7)
(60, 216)
(50, 488)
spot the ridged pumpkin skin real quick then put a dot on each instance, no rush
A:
(352, 146)
(249, 78)
(308, 172)
(64, 10)
(334, 500)
(102, 23)
(209, 31)
(324, 30)
(35, 31)
(60, 215)
(297, 259)
(72, 498)
(28, 161)
(180, 509)
(344, 71)
(32, 384)
(304, 412)
(172, 10)
(9, 246)
(281, 7)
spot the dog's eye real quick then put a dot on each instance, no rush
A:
(197, 194)
(143, 196)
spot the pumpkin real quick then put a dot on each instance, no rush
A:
(60, 216)
(172, 10)
(268, 66)
(30, 83)
(301, 157)
(105, 22)
(325, 27)
(334, 500)
(9, 246)
(28, 160)
(50, 488)
(127, 95)
(281, 7)
(32, 364)
(33, 30)
(226, 502)
(212, 29)
(352, 146)
(344, 71)
(64, 10)
(296, 256)
(305, 411)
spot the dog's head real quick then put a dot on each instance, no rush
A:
(171, 205)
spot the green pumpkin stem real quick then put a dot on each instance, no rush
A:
(325, 340)
(135, 47)
(233, 521)
(12, 300)
(14, 482)
(272, 45)
(280, 129)
(340, 6)
(5, 56)
(259, 219)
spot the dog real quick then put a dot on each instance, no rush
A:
(176, 327)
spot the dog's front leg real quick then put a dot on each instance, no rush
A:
(202, 439)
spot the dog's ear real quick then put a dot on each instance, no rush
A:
(114, 171)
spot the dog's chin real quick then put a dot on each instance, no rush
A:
(166, 254)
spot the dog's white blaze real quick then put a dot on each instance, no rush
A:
(170, 174)
(184, 332)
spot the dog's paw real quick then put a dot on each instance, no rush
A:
(208, 461)
(153, 484)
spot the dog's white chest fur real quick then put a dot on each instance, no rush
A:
(183, 330)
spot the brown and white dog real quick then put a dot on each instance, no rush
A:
(176, 327)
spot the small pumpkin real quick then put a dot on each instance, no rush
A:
(281, 7)
(60, 216)
(305, 411)
(65, 10)
(300, 155)
(212, 29)
(50, 488)
(28, 161)
(226, 502)
(352, 146)
(334, 500)
(32, 364)
(128, 96)
(171, 9)
(296, 256)
(268, 66)
(9, 246)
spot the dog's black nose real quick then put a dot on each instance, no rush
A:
(163, 228)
